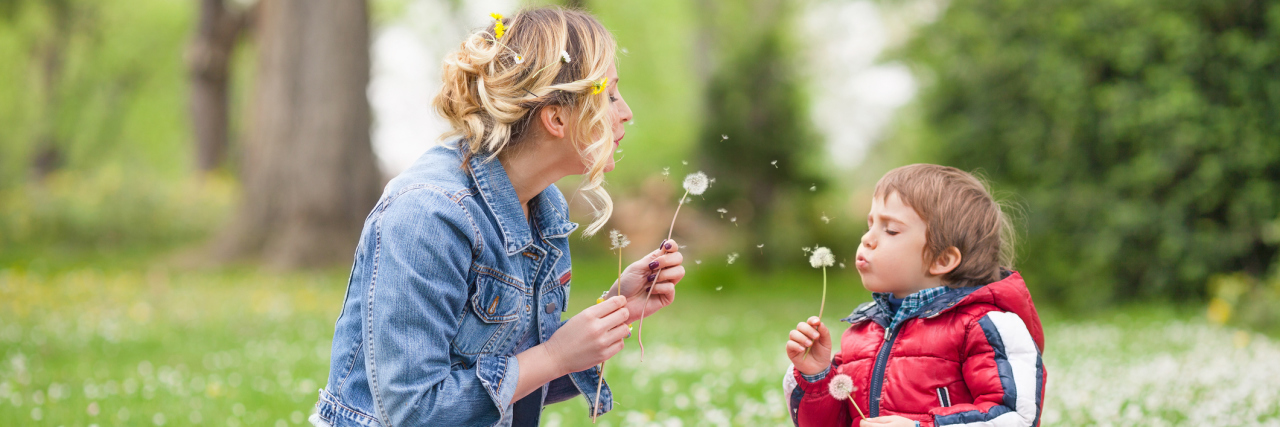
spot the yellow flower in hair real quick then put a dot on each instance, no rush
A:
(498, 28)
(600, 85)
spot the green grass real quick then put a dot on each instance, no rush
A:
(131, 342)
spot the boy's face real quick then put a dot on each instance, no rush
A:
(891, 256)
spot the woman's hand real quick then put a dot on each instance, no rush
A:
(590, 337)
(812, 335)
(889, 421)
(664, 265)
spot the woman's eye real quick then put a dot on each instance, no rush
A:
(613, 98)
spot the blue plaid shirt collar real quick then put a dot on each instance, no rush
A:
(910, 305)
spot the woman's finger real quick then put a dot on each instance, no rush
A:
(664, 288)
(606, 307)
(617, 317)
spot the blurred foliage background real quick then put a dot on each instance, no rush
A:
(1136, 141)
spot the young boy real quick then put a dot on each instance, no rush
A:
(951, 338)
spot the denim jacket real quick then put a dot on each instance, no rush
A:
(447, 276)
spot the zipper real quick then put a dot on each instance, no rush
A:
(877, 370)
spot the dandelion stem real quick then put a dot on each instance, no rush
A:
(820, 307)
(640, 330)
(596, 412)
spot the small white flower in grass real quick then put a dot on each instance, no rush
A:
(564, 56)
(519, 58)
(822, 257)
(696, 183)
(618, 239)
(841, 387)
(774, 163)
(733, 257)
(722, 211)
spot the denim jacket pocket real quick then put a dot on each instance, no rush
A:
(489, 321)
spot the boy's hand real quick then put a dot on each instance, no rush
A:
(810, 334)
(889, 421)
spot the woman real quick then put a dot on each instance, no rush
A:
(452, 313)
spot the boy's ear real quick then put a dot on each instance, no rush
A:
(945, 262)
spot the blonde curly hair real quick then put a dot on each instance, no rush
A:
(493, 88)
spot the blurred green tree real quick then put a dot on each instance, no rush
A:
(756, 139)
(1141, 135)
(309, 172)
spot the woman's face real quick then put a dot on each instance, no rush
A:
(619, 115)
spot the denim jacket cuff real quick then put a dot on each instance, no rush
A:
(499, 375)
(587, 381)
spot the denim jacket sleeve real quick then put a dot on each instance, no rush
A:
(418, 291)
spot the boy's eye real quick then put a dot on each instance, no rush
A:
(891, 232)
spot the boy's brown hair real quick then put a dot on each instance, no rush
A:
(959, 212)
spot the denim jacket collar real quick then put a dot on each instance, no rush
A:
(497, 191)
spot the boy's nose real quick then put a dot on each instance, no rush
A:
(868, 241)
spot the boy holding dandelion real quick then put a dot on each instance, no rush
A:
(951, 338)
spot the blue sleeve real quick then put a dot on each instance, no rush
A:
(418, 293)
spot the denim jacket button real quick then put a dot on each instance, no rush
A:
(551, 308)
(526, 308)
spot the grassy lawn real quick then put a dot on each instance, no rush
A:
(123, 342)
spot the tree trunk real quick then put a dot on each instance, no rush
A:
(309, 173)
(209, 62)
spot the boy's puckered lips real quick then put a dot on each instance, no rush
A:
(862, 263)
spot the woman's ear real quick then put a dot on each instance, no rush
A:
(553, 121)
(945, 262)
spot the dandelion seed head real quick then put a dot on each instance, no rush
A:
(822, 257)
(696, 183)
(841, 387)
(618, 239)
(733, 257)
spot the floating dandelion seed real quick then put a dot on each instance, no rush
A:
(722, 211)
(774, 163)
(807, 250)
(619, 151)
(719, 287)
(734, 220)
(695, 183)
(813, 187)
(842, 265)
(733, 257)
(825, 219)
(684, 162)
(697, 261)
(625, 51)
(564, 56)
(724, 137)
(761, 248)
